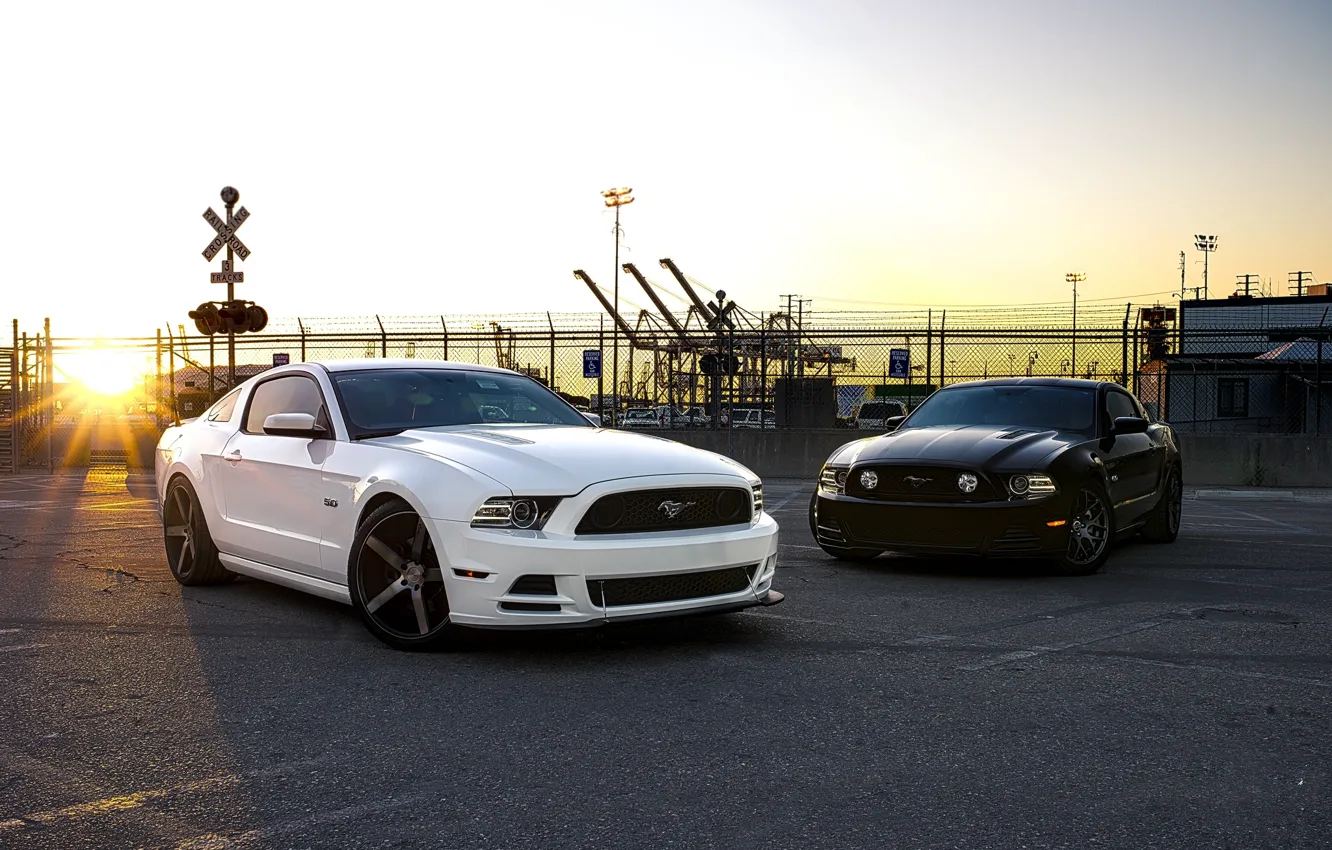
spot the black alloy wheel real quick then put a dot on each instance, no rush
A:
(1164, 521)
(190, 550)
(1090, 529)
(395, 580)
(839, 552)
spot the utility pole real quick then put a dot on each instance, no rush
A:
(1297, 280)
(800, 329)
(1181, 275)
(1247, 281)
(617, 198)
(1074, 278)
(791, 360)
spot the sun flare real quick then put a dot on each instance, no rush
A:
(102, 371)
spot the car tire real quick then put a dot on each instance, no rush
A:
(395, 579)
(191, 552)
(1164, 520)
(838, 552)
(1091, 528)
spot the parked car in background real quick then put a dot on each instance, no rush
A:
(874, 415)
(641, 418)
(1019, 467)
(753, 418)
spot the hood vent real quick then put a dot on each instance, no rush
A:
(1012, 435)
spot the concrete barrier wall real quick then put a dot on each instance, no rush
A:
(1210, 460)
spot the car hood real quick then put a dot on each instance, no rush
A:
(973, 445)
(539, 460)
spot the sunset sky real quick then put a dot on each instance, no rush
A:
(447, 157)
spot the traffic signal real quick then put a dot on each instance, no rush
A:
(229, 317)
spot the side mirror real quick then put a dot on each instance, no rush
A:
(891, 423)
(1130, 425)
(294, 425)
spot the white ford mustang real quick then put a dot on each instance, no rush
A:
(392, 485)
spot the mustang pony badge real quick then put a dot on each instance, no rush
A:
(674, 509)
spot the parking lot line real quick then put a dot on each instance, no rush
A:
(1286, 525)
(1033, 651)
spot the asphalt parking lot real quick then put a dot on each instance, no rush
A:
(1181, 698)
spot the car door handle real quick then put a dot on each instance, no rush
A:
(233, 456)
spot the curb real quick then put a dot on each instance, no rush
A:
(1258, 495)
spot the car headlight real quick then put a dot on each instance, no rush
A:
(1031, 486)
(833, 480)
(517, 512)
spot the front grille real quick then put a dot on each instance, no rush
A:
(647, 590)
(884, 531)
(531, 585)
(919, 484)
(651, 510)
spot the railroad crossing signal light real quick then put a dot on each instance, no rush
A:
(717, 364)
(229, 317)
(206, 319)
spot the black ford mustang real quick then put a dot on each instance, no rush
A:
(1024, 467)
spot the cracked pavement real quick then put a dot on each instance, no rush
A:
(1182, 698)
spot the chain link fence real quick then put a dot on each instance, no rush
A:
(768, 371)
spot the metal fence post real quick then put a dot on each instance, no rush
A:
(48, 389)
(1123, 369)
(157, 382)
(601, 370)
(171, 375)
(929, 349)
(551, 372)
(383, 338)
(446, 336)
(212, 368)
(301, 325)
(943, 359)
(763, 373)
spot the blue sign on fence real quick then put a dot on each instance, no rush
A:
(592, 364)
(899, 363)
(281, 359)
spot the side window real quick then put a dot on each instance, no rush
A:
(288, 394)
(1118, 404)
(221, 412)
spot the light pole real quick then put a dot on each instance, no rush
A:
(617, 198)
(1206, 244)
(1075, 278)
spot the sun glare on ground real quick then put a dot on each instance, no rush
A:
(102, 371)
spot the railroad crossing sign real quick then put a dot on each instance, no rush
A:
(226, 235)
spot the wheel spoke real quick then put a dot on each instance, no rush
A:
(175, 531)
(180, 559)
(385, 595)
(418, 542)
(182, 503)
(382, 549)
(418, 602)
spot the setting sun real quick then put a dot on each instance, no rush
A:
(101, 371)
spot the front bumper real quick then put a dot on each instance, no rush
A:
(579, 563)
(1015, 528)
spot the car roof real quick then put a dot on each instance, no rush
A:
(1074, 383)
(351, 365)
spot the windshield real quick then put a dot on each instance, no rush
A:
(385, 401)
(1038, 408)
